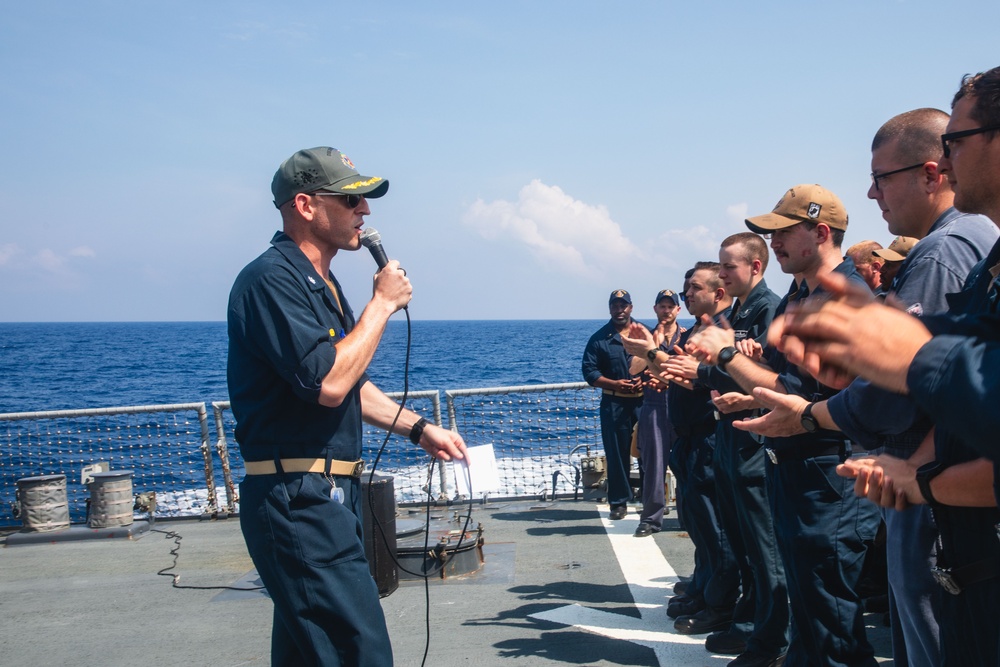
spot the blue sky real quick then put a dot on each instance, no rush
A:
(540, 154)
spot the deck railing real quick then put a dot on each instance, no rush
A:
(538, 433)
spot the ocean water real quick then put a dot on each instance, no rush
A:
(61, 366)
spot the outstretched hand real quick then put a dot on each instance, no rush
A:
(884, 480)
(732, 401)
(784, 419)
(680, 364)
(638, 340)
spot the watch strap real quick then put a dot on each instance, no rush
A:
(726, 355)
(925, 474)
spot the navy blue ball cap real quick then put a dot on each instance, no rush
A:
(620, 294)
(667, 294)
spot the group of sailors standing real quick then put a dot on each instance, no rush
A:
(795, 425)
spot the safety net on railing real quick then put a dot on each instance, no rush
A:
(538, 433)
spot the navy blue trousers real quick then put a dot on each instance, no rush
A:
(910, 537)
(309, 552)
(970, 631)
(716, 565)
(618, 418)
(744, 507)
(823, 530)
(678, 460)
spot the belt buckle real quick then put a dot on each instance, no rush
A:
(773, 455)
(359, 467)
(944, 578)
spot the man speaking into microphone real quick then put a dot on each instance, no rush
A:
(299, 392)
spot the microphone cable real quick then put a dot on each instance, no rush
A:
(430, 500)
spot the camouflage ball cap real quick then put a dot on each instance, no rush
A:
(323, 168)
(803, 203)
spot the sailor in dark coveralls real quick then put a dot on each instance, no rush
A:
(821, 528)
(707, 601)
(299, 391)
(760, 620)
(606, 366)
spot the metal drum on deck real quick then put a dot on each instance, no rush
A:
(111, 499)
(42, 503)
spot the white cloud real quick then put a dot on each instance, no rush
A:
(8, 252)
(567, 235)
(563, 234)
(49, 260)
(58, 264)
(681, 248)
(83, 251)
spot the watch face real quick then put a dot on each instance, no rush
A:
(809, 422)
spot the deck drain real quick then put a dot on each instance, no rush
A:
(571, 566)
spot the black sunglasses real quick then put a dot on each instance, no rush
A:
(351, 202)
(951, 136)
(876, 177)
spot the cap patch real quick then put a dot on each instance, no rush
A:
(813, 210)
(347, 162)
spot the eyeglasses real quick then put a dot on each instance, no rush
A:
(946, 139)
(352, 201)
(876, 177)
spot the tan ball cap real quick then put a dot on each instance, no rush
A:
(802, 203)
(897, 250)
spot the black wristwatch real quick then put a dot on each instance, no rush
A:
(651, 354)
(726, 355)
(925, 474)
(807, 420)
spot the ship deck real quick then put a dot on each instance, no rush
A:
(560, 585)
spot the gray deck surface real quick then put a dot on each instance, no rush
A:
(100, 602)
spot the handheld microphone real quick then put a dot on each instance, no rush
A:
(371, 239)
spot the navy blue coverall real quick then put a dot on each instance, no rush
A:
(822, 528)
(744, 505)
(283, 322)
(605, 355)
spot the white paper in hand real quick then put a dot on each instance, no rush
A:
(477, 473)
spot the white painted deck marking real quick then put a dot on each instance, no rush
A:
(650, 578)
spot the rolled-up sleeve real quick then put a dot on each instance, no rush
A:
(589, 366)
